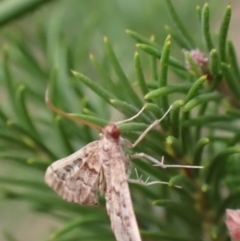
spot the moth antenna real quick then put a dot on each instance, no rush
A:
(68, 115)
(132, 118)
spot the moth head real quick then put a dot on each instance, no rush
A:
(111, 131)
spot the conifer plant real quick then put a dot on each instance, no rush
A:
(203, 86)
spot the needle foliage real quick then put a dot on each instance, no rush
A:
(198, 74)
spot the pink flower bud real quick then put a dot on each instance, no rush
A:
(199, 58)
(233, 223)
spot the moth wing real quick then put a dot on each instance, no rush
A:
(119, 205)
(75, 178)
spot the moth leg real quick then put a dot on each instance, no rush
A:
(146, 183)
(140, 181)
(160, 163)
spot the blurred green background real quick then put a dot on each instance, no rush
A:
(37, 39)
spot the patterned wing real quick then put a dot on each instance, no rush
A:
(76, 177)
(120, 210)
(118, 199)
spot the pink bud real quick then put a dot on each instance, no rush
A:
(199, 58)
(233, 223)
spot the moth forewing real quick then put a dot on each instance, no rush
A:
(120, 208)
(76, 177)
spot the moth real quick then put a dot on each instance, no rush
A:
(101, 166)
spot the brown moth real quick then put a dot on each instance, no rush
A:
(102, 166)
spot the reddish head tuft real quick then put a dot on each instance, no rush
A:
(115, 132)
(112, 131)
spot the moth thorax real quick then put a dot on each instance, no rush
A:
(111, 131)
